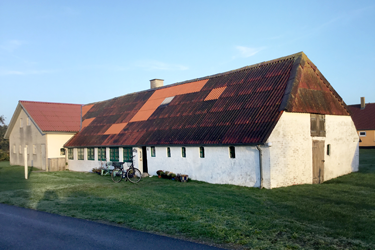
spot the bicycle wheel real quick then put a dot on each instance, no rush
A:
(117, 175)
(133, 175)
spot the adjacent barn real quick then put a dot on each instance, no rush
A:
(43, 128)
(363, 116)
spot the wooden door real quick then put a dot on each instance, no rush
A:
(318, 161)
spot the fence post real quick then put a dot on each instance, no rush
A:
(25, 159)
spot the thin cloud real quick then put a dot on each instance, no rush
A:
(156, 65)
(248, 51)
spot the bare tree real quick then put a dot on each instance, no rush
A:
(2, 119)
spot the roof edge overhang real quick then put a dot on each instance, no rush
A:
(169, 145)
(295, 77)
(60, 132)
(14, 120)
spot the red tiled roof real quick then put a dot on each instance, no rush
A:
(364, 119)
(236, 107)
(59, 117)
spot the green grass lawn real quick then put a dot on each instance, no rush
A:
(339, 214)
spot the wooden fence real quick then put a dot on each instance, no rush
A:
(56, 164)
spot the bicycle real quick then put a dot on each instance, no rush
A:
(132, 174)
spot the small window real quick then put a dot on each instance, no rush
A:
(317, 125)
(80, 154)
(62, 151)
(232, 152)
(167, 100)
(362, 133)
(201, 152)
(168, 152)
(328, 149)
(102, 156)
(14, 148)
(21, 123)
(70, 154)
(183, 152)
(90, 154)
(114, 154)
(153, 153)
(127, 154)
(34, 149)
(20, 149)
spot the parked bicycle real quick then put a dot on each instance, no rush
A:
(132, 174)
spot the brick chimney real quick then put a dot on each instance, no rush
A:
(156, 83)
(363, 104)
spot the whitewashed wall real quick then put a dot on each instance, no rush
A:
(288, 161)
(217, 167)
(291, 151)
(344, 140)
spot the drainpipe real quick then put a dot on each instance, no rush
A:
(260, 166)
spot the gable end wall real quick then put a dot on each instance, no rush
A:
(27, 135)
(291, 151)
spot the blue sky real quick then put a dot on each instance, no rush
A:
(87, 51)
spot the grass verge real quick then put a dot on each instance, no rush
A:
(339, 214)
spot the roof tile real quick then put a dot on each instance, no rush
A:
(236, 107)
(51, 116)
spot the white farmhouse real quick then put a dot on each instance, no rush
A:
(43, 128)
(273, 124)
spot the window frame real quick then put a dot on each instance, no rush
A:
(365, 134)
(168, 152)
(80, 154)
(153, 151)
(70, 154)
(232, 152)
(201, 152)
(91, 154)
(127, 152)
(183, 152)
(114, 154)
(102, 154)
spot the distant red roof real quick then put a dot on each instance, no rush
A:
(237, 107)
(364, 119)
(59, 117)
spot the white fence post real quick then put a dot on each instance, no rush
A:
(25, 158)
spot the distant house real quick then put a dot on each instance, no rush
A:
(43, 128)
(363, 116)
(273, 124)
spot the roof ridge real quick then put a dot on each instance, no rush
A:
(295, 55)
(61, 103)
(367, 103)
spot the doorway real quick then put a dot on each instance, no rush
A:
(318, 161)
(144, 157)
